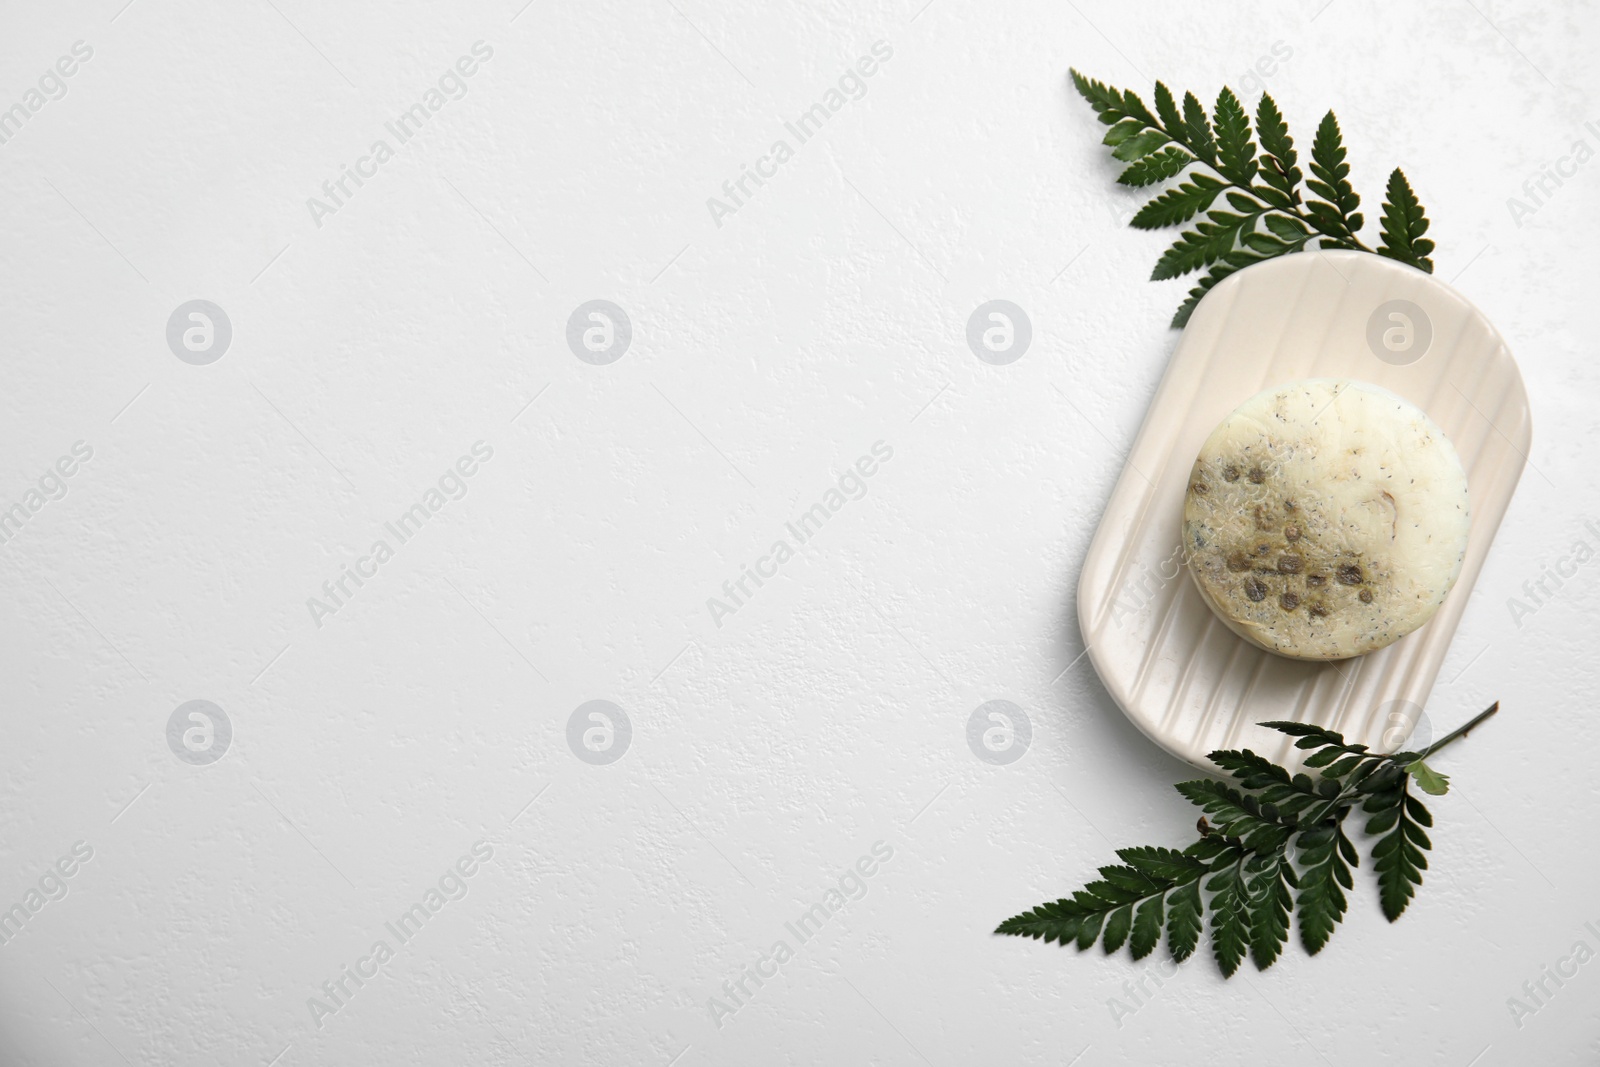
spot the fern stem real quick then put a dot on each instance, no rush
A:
(1346, 793)
(1460, 731)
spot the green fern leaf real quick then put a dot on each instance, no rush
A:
(1179, 204)
(1156, 168)
(1241, 867)
(1163, 864)
(1198, 127)
(1147, 927)
(1230, 918)
(1335, 215)
(1107, 102)
(1118, 926)
(1398, 855)
(1059, 921)
(1184, 921)
(1279, 167)
(1269, 879)
(1259, 181)
(1324, 876)
(1404, 223)
(1167, 108)
(1236, 152)
(1140, 145)
(1208, 242)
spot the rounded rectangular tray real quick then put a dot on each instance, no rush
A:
(1181, 675)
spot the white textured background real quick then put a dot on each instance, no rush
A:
(830, 711)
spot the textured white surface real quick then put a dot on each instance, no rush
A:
(768, 354)
(1181, 674)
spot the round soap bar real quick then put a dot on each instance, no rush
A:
(1326, 519)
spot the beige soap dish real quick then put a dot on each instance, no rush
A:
(1176, 669)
